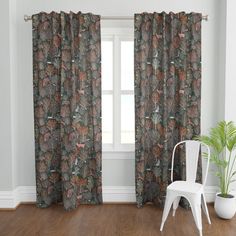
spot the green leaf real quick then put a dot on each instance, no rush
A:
(220, 138)
(218, 174)
(230, 135)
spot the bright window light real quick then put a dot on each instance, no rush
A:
(127, 65)
(118, 91)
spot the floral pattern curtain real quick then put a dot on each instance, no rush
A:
(67, 108)
(167, 97)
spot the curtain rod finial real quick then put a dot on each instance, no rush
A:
(27, 18)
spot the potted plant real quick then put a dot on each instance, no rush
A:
(222, 141)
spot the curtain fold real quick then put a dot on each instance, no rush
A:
(67, 108)
(167, 50)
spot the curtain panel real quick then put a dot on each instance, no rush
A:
(67, 108)
(167, 50)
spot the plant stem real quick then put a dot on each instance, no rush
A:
(222, 173)
(230, 173)
(227, 172)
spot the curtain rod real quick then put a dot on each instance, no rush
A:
(28, 18)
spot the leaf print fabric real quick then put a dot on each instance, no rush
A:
(67, 108)
(167, 97)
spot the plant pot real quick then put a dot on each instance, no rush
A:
(225, 207)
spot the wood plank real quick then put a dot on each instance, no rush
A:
(107, 220)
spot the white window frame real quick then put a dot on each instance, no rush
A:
(116, 35)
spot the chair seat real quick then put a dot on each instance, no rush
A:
(186, 187)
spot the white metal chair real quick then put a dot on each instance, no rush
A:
(192, 191)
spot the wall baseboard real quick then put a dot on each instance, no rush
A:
(210, 193)
(7, 200)
(111, 194)
(26, 194)
(127, 193)
(11, 199)
(119, 194)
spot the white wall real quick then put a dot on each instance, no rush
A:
(120, 171)
(14, 91)
(5, 101)
(230, 66)
(230, 77)
(7, 95)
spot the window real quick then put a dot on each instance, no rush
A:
(118, 89)
(127, 92)
(107, 91)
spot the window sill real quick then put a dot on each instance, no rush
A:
(123, 148)
(117, 151)
(118, 155)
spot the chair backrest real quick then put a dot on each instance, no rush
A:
(192, 149)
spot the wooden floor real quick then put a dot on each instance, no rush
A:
(107, 220)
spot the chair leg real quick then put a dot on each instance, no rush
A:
(170, 197)
(205, 209)
(196, 210)
(175, 204)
